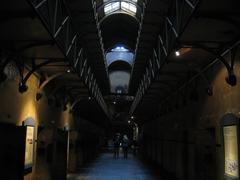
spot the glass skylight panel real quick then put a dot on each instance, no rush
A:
(111, 7)
(132, 8)
(120, 5)
(128, 7)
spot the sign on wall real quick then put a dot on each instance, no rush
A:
(29, 147)
(29, 123)
(230, 133)
(231, 151)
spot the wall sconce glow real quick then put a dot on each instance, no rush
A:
(177, 53)
(69, 70)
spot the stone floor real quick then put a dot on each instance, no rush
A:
(107, 168)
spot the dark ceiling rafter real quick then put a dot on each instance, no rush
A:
(100, 37)
(46, 81)
(165, 43)
(84, 22)
(21, 50)
(170, 39)
(200, 73)
(55, 16)
(24, 79)
(103, 17)
(142, 13)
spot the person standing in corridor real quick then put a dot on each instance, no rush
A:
(116, 144)
(125, 144)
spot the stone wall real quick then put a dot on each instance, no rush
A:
(186, 140)
(49, 120)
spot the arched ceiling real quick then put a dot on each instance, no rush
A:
(153, 36)
(119, 28)
(120, 65)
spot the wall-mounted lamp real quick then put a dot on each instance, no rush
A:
(182, 51)
(22, 87)
(231, 79)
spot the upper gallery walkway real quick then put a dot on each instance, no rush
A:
(105, 167)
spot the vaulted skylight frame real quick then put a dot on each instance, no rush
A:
(113, 6)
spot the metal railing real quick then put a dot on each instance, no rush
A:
(179, 16)
(55, 17)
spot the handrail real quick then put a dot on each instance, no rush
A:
(165, 44)
(56, 19)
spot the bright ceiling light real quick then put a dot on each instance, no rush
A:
(177, 53)
(69, 70)
(182, 51)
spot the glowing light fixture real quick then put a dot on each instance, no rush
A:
(177, 53)
(182, 51)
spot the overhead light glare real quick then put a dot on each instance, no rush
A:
(177, 53)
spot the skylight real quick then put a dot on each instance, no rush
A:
(127, 6)
(110, 7)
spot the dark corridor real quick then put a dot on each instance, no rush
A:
(80, 79)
